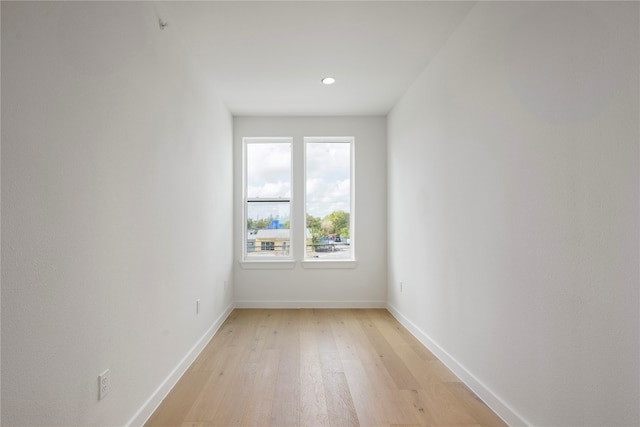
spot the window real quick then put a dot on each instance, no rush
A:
(320, 230)
(268, 246)
(328, 189)
(267, 197)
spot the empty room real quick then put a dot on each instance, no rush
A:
(320, 213)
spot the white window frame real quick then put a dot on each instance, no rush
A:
(285, 261)
(332, 263)
(297, 236)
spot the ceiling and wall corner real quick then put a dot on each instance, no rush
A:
(267, 58)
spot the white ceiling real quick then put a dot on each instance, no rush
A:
(267, 57)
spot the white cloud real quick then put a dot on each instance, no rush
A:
(328, 185)
(270, 189)
(324, 197)
(328, 160)
(269, 170)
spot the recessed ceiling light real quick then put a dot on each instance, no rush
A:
(328, 80)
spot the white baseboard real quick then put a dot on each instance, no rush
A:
(311, 304)
(163, 390)
(494, 402)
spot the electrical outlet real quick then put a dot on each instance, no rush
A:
(400, 287)
(197, 306)
(104, 384)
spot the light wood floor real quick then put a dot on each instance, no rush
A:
(318, 368)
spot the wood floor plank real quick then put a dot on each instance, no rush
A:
(408, 338)
(316, 367)
(345, 343)
(221, 378)
(196, 424)
(256, 409)
(476, 407)
(398, 371)
(327, 348)
(244, 400)
(397, 410)
(443, 407)
(176, 406)
(313, 403)
(276, 337)
(219, 340)
(326, 341)
(424, 371)
(340, 406)
(393, 407)
(397, 335)
(286, 401)
(369, 410)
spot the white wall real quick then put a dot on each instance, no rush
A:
(362, 286)
(116, 196)
(513, 209)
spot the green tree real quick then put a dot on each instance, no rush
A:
(258, 224)
(335, 223)
(313, 223)
(327, 227)
(340, 221)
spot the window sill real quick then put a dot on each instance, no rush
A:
(268, 265)
(348, 264)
